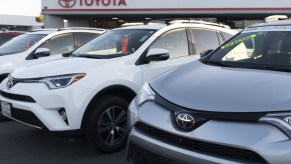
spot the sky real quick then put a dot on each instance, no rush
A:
(20, 7)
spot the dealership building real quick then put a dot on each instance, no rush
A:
(113, 13)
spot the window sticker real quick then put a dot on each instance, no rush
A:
(268, 28)
(238, 41)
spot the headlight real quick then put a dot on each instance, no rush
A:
(145, 94)
(62, 81)
(280, 120)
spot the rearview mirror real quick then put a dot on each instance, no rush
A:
(157, 54)
(41, 52)
(205, 53)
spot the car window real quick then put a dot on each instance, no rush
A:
(20, 43)
(226, 36)
(176, 42)
(83, 37)
(115, 43)
(256, 49)
(4, 37)
(204, 40)
(60, 44)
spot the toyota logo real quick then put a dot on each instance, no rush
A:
(67, 3)
(185, 121)
(10, 83)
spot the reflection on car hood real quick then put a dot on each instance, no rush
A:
(210, 88)
(57, 67)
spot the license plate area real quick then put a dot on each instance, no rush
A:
(6, 108)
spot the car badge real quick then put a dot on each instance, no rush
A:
(10, 83)
(185, 121)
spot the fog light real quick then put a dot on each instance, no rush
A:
(63, 115)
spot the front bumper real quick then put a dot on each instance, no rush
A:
(34, 104)
(244, 142)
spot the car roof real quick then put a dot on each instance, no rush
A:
(158, 26)
(152, 26)
(9, 32)
(51, 31)
(275, 23)
(43, 32)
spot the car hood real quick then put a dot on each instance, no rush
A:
(56, 67)
(198, 86)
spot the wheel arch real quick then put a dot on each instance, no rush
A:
(115, 90)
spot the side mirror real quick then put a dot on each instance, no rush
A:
(42, 52)
(157, 54)
(68, 54)
(205, 53)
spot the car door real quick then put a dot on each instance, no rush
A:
(177, 43)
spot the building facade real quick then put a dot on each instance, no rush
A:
(113, 13)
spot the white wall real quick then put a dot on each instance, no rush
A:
(78, 23)
(53, 21)
(14, 20)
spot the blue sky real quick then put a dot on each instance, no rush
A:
(20, 7)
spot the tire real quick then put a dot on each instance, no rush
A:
(106, 125)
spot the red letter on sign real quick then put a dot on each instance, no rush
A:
(89, 2)
(81, 2)
(121, 2)
(104, 2)
(97, 2)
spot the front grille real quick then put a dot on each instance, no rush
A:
(26, 117)
(142, 156)
(216, 150)
(17, 97)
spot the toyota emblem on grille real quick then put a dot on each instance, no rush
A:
(67, 3)
(185, 121)
(10, 83)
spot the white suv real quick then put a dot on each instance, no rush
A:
(33, 47)
(90, 91)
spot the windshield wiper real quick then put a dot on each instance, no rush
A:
(221, 63)
(250, 66)
(89, 56)
(270, 67)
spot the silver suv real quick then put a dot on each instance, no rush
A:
(232, 106)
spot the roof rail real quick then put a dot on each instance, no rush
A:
(82, 28)
(274, 18)
(44, 29)
(198, 22)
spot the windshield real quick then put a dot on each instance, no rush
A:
(4, 37)
(260, 48)
(115, 43)
(20, 43)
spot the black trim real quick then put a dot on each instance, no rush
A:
(207, 115)
(220, 151)
(68, 133)
(26, 117)
(3, 76)
(17, 97)
(139, 155)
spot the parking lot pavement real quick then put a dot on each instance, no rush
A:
(26, 145)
